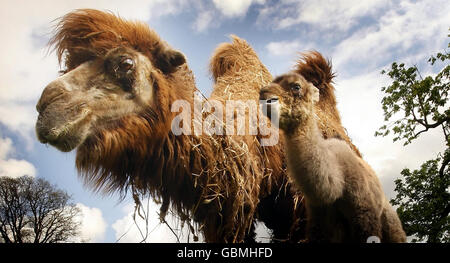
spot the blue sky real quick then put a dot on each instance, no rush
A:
(360, 37)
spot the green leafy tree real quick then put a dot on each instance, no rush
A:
(414, 105)
(34, 211)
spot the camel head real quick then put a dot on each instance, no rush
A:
(112, 102)
(290, 98)
(115, 71)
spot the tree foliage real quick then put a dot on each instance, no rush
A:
(34, 211)
(421, 101)
(413, 105)
(423, 202)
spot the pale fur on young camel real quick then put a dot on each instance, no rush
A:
(344, 198)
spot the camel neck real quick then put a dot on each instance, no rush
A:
(304, 146)
(309, 160)
(307, 131)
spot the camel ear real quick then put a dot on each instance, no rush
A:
(315, 94)
(168, 60)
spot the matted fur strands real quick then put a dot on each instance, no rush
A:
(213, 183)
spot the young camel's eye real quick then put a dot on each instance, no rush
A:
(295, 87)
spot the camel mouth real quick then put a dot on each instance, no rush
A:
(64, 136)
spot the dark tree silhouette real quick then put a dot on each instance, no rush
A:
(34, 211)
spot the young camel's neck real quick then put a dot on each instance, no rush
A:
(307, 131)
(312, 164)
(305, 137)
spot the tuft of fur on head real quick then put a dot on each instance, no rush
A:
(317, 70)
(232, 57)
(87, 33)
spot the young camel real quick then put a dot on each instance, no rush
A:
(344, 198)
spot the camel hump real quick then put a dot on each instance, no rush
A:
(232, 57)
(316, 69)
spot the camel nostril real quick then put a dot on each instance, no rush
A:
(40, 107)
(50, 94)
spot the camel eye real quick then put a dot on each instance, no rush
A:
(296, 88)
(126, 65)
(121, 69)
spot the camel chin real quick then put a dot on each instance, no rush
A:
(64, 136)
(68, 143)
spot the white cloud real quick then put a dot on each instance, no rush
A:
(284, 48)
(5, 147)
(16, 168)
(204, 21)
(234, 8)
(19, 117)
(93, 225)
(322, 14)
(128, 230)
(289, 49)
(213, 14)
(12, 167)
(421, 25)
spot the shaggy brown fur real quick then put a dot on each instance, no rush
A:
(113, 106)
(86, 34)
(344, 198)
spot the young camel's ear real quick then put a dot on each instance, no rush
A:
(315, 94)
(167, 60)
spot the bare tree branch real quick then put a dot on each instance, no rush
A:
(32, 210)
